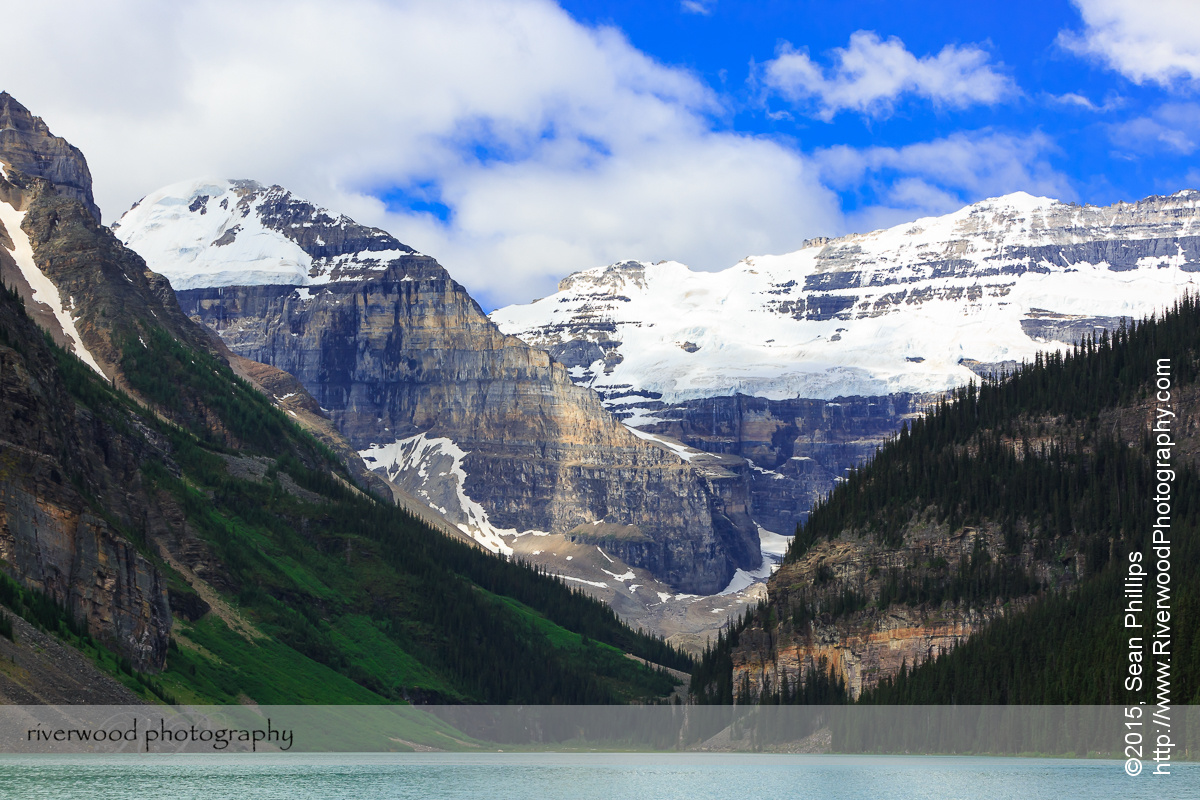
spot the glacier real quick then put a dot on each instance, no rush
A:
(918, 308)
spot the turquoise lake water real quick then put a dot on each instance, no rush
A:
(579, 777)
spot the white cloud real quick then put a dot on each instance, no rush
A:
(1078, 101)
(1074, 99)
(704, 7)
(592, 150)
(1173, 127)
(937, 177)
(1145, 40)
(708, 202)
(871, 74)
(556, 146)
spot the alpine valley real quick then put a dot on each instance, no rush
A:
(251, 450)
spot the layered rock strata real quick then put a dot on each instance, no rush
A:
(796, 449)
(29, 147)
(866, 645)
(494, 433)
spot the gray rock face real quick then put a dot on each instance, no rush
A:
(392, 348)
(58, 465)
(411, 353)
(797, 449)
(27, 145)
(1046, 326)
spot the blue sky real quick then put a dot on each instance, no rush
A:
(728, 43)
(520, 140)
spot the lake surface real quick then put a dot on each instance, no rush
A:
(578, 777)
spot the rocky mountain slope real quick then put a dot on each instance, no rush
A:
(70, 489)
(1005, 520)
(30, 148)
(490, 431)
(65, 511)
(804, 363)
(176, 534)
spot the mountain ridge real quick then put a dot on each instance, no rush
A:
(394, 350)
(166, 521)
(925, 300)
(804, 363)
(1002, 524)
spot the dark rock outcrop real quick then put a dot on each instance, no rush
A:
(798, 449)
(70, 495)
(28, 146)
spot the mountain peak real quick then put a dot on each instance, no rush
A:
(609, 278)
(28, 146)
(907, 309)
(14, 116)
(209, 232)
(1019, 198)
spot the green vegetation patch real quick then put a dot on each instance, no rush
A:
(265, 671)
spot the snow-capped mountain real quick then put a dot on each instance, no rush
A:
(804, 363)
(486, 430)
(206, 233)
(914, 308)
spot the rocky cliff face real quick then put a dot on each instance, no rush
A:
(70, 494)
(27, 146)
(490, 431)
(858, 641)
(69, 481)
(796, 449)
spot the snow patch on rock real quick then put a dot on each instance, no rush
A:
(678, 448)
(430, 468)
(597, 584)
(44, 290)
(743, 579)
(773, 546)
